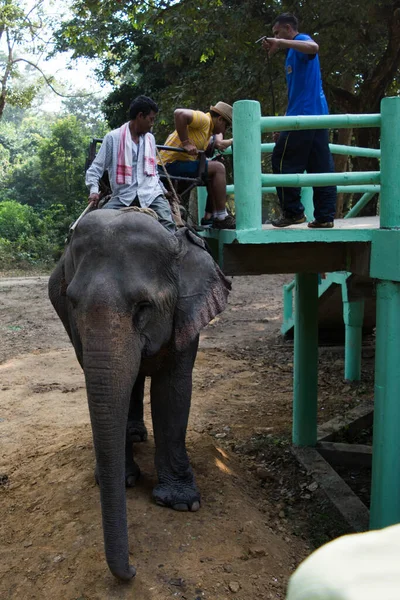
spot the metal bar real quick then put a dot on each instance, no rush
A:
(344, 189)
(173, 148)
(268, 147)
(319, 122)
(357, 208)
(321, 179)
(355, 151)
(305, 382)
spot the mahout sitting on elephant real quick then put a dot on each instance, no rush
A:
(133, 298)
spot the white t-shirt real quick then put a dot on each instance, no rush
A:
(362, 566)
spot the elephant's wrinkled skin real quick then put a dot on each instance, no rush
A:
(133, 299)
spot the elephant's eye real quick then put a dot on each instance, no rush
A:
(71, 296)
(141, 313)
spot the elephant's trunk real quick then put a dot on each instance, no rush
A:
(111, 360)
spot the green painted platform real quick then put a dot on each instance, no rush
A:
(295, 249)
(364, 247)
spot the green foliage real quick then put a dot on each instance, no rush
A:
(62, 159)
(42, 187)
(88, 113)
(195, 52)
(23, 238)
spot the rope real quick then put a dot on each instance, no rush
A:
(175, 203)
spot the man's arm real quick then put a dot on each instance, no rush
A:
(183, 117)
(272, 45)
(220, 143)
(96, 170)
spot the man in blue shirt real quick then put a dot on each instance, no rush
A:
(307, 150)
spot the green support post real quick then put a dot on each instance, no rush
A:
(385, 492)
(307, 201)
(353, 316)
(305, 383)
(201, 202)
(247, 163)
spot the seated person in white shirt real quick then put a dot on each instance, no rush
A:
(129, 155)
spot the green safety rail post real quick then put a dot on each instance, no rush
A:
(305, 368)
(385, 492)
(305, 382)
(353, 317)
(247, 163)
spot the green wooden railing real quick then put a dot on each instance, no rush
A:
(248, 125)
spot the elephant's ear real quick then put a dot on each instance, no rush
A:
(203, 289)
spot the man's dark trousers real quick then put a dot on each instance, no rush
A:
(299, 151)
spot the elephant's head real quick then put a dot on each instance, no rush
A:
(131, 290)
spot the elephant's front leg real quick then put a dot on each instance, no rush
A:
(171, 390)
(137, 431)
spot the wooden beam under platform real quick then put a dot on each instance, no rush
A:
(305, 257)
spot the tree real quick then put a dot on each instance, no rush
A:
(18, 27)
(88, 112)
(25, 36)
(62, 162)
(193, 52)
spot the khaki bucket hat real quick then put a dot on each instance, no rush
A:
(224, 110)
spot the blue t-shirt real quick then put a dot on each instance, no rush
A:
(303, 77)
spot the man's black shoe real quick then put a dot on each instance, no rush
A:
(319, 225)
(227, 223)
(206, 223)
(287, 221)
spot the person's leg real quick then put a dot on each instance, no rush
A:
(290, 155)
(185, 168)
(114, 203)
(320, 161)
(162, 208)
(216, 187)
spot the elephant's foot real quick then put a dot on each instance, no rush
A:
(137, 431)
(180, 496)
(132, 474)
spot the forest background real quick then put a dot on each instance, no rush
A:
(182, 53)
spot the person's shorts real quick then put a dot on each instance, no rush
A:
(183, 168)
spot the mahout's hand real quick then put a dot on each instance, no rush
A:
(94, 198)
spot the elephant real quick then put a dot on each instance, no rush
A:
(133, 298)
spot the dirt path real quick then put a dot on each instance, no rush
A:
(255, 522)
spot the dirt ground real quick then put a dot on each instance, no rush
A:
(261, 514)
